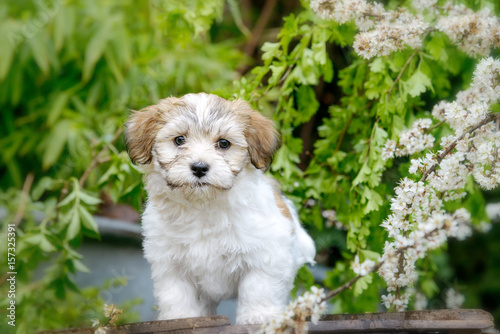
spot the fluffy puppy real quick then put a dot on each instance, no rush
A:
(214, 226)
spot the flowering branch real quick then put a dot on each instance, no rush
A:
(371, 269)
(350, 283)
(449, 148)
(383, 32)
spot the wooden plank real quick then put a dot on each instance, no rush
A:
(442, 321)
(186, 325)
(437, 321)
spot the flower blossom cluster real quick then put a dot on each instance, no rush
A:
(330, 217)
(430, 232)
(293, 320)
(410, 141)
(418, 222)
(475, 33)
(476, 152)
(364, 268)
(493, 211)
(384, 32)
(394, 32)
(111, 312)
(454, 299)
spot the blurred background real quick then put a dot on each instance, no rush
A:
(70, 71)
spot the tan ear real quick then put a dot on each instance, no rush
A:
(142, 128)
(262, 138)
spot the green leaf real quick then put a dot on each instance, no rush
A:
(68, 199)
(270, 50)
(429, 287)
(6, 57)
(42, 186)
(46, 245)
(89, 199)
(95, 48)
(436, 47)
(369, 255)
(39, 51)
(417, 84)
(87, 219)
(378, 65)
(56, 142)
(307, 104)
(362, 284)
(57, 107)
(79, 266)
(277, 73)
(74, 226)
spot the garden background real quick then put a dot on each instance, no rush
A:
(71, 70)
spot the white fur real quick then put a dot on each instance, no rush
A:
(226, 239)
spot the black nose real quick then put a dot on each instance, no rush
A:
(199, 169)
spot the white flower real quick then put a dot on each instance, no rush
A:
(474, 33)
(388, 300)
(101, 330)
(421, 301)
(484, 227)
(364, 268)
(293, 318)
(108, 310)
(493, 211)
(454, 299)
(389, 150)
(423, 5)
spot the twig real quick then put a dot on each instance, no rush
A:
(350, 283)
(342, 134)
(489, 118)
(98, 158)
(259, 27)
(408, 61)
(434, 127)
(22, 201)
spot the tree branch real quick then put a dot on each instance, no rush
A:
(408, 61)
(257, 31)
(491, 117)
(22, 201)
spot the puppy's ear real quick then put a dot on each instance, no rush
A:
(142, 128)
(262, 138)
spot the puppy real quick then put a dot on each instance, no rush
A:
(214, 226)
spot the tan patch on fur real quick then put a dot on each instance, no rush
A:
(142, 128)
(260, 134)
(285, 211)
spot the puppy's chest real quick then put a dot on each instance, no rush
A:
(210, 241)
(214, 257)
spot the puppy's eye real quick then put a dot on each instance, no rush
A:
(223, 143)
(179, 140)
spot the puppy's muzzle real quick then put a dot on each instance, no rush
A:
(199, 169)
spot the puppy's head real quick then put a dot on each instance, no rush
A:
(200, 141)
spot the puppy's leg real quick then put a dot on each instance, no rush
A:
(178, 298)
(262, 296)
